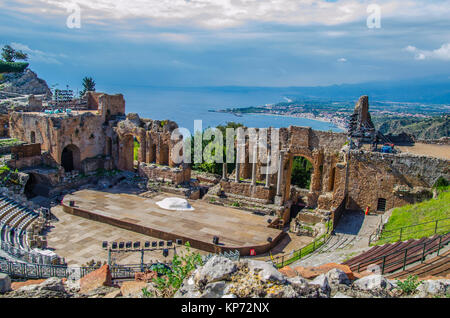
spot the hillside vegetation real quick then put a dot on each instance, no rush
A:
(421, 128)
(414, 215)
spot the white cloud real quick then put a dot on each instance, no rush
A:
(342, 60)
(218, 14)
(443, 53)
(36, 55)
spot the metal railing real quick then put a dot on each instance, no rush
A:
(286, 259)
(28, 256)
(435, 227)
(234, 256)
(419, 253)
(38, 271)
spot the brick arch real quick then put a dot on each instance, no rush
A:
(70, 158)
(314, 158)
(126, 151)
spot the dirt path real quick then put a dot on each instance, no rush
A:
(351, 237)
(438, 151)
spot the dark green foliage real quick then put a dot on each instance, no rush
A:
(301, 172)
(213, 167)
(441, 182)
(12, 67)
(169, 279)
(10, 55)
(422, 128)
(88, 85)
(409, 285)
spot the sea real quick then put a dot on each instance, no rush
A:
(184, 105)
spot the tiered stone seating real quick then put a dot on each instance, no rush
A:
(438, 266)
(392, 256)
(15, 219)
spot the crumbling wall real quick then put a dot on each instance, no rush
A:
(398, 178)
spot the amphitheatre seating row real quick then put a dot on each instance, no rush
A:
(14, 222)
(438, 266)
(392, 257)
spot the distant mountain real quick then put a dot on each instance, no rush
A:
(421, 128)
(432, 90)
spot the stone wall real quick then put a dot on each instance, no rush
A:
(398, 178)
(259, 191)
(88, 134)
(174, 175)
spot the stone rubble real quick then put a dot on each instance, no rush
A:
(222, 278)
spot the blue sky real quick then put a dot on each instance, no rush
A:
(229, 42)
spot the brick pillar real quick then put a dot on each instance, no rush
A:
(255, 158)
(224, 172)
(280, 173)
(236, 177)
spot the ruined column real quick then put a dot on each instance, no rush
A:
(280, 172)
(224, 172)
(268, 170)
(255, 158)
(236, 178)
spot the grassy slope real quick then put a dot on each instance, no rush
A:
(423, 128)
(412, 214)
(7, 142)
(136, 150)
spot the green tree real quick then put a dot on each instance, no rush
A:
(88, 85)
(301, 172)
(10, 55)
(214, 167)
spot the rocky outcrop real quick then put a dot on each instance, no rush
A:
(26, 83)
(96, 279)
(5, 283)
(223, 278)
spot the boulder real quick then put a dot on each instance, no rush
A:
(5, 283)
(50, 288)
(308, 272)
(346, 269)
(132, 289)
(217, 268)
(188, 289)
(214, 290)
(373, 282)
(298, 282)
(17, 285)
(434, 287)
(337, 276)
(313, 272)
(146, 276)
(265, 271)
(288, 272)
(322, 283)
(114, 294)
(95, 279)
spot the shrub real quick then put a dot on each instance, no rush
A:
(409, 285)
(169, 280)
(12, 67)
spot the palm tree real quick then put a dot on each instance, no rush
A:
(88, 85)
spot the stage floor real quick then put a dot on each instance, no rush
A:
(236, 229)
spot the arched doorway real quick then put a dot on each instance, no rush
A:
(30, 186)
(32, 137)
(164, 155)
(126, 153)
(70, 158)
(300, 179)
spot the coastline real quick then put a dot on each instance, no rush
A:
(338, 124)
